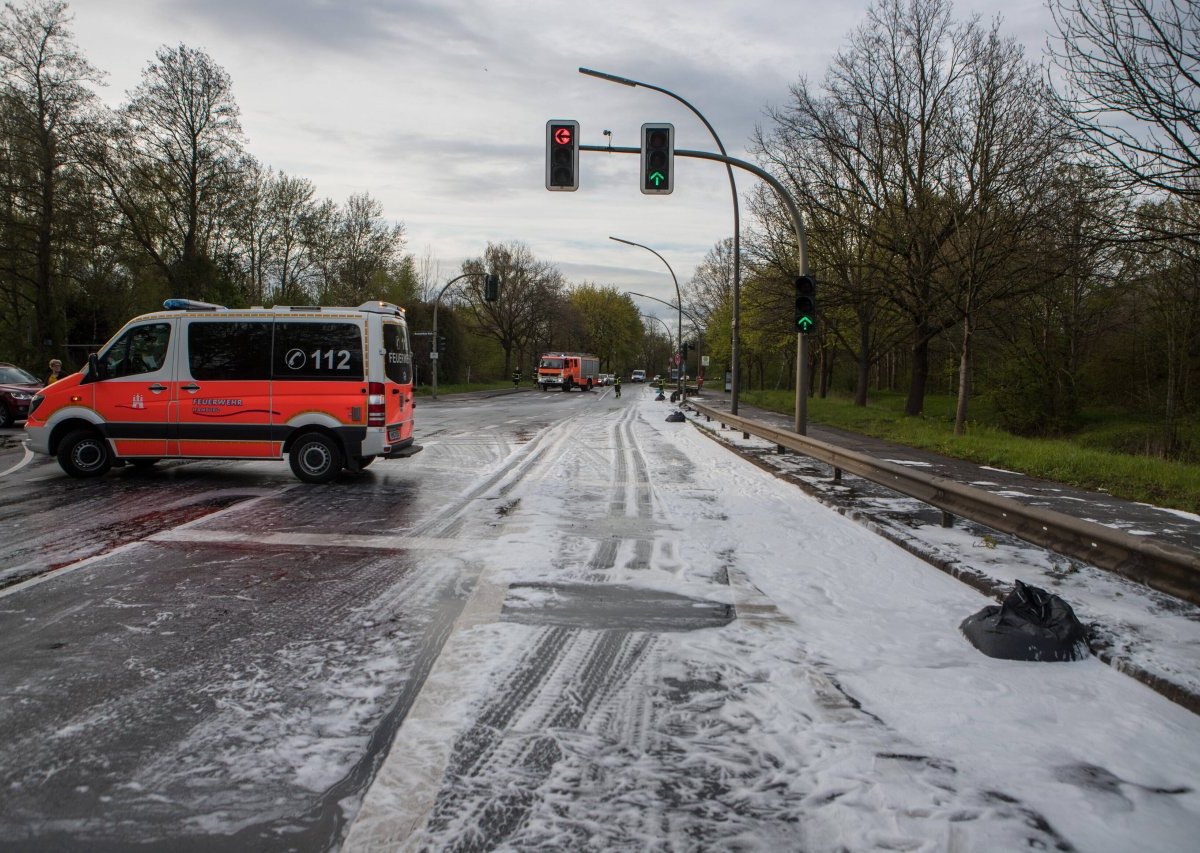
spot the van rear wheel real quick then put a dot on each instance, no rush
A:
(84, 453)
(315, 458)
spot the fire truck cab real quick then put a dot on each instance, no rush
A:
(329, 388)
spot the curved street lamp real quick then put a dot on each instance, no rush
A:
(695, 322)
(734, 352)
(677, 297)
(670, 342)
(433, 346)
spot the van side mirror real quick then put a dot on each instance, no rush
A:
(93, 371)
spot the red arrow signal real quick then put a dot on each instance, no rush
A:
(562, 136)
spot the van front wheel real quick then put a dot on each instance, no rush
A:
(315, 458)
(84, 453)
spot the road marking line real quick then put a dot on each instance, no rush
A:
(24, 461)
(313, 540)
(65, 570)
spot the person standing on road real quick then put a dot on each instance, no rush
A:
(57, 371)
(617, 384)
(516, 377)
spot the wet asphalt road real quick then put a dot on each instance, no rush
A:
(227, 653)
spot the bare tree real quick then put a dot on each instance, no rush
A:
(291, 203)
(1131, 75)
(711, 285)
(176, 177)
(1008, 149)
(886, 115)
(44, 84)
(370, 248)
(530, 292)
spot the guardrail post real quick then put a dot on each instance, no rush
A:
(779, 448)
(947, 519)
(837, 474)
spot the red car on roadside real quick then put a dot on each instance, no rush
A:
(16, 390)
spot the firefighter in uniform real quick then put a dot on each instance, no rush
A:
(516, 377)
(617, 384)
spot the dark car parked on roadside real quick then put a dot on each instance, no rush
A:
(16, 390)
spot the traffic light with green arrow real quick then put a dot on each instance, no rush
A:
(658, 158)
(806, 304)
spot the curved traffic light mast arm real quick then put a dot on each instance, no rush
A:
(780, 190)
(801, 254)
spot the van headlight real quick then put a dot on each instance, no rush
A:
(35, 402)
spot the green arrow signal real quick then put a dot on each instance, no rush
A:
(657, 177)
(805, 323)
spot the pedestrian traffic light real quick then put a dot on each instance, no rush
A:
(685, 351)
(806, 304)
(562, 155)
(491, 287)
(441, 343)
(658, 158)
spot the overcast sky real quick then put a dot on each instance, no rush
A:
(438, 109)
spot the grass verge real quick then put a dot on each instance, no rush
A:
(1132, 477)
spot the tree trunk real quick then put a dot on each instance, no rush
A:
(862, 362)
(964, 379)
(915, 403)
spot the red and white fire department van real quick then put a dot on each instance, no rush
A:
(330, 388)
(567, 370)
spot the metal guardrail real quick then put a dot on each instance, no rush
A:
(1159, 565)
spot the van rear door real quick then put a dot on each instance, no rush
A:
(397, 367)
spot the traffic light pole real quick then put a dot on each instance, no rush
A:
(801, 422)
(434, 355)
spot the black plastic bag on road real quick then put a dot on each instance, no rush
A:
(1031, 624)
(676, 417)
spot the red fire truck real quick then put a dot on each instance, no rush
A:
(567, 370)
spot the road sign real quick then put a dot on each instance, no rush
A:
(433, 356)
(676, 359)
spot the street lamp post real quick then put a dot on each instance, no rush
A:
(678, 297)
(664, 325)
(434, 355)
(735, 346)
(695, 322)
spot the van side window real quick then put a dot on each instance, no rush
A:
(397, 360)
(317, 351)
(142, 349)
(229, 350)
